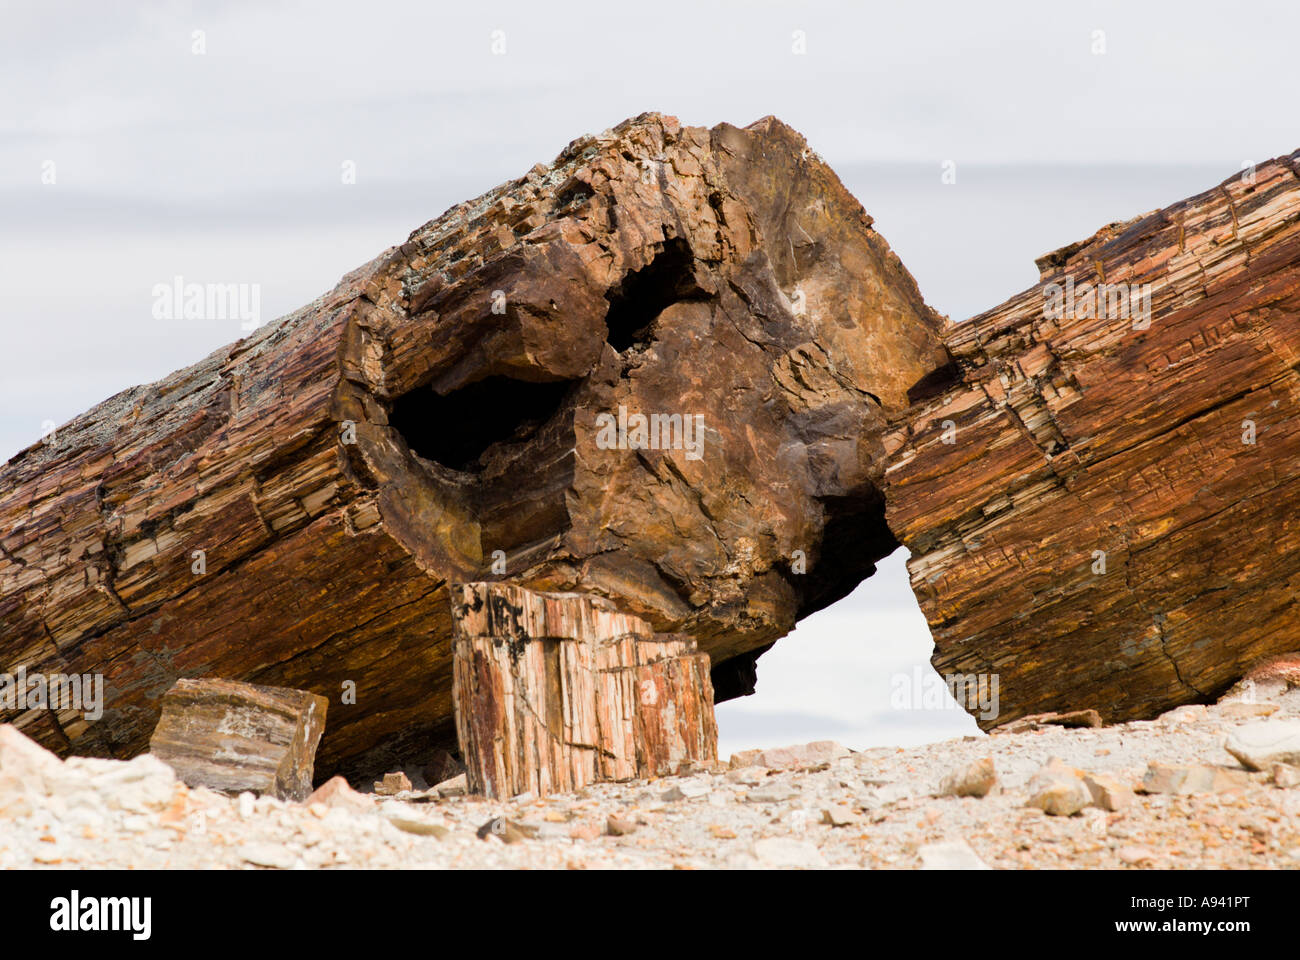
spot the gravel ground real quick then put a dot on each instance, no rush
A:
(874, 809)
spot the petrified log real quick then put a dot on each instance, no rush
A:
(469, 405)
(554, 691)
(1104, 508)
(233, 737)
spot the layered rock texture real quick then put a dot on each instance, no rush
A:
(554, 691)
(657, 371)
(234, 737)
(1103, 507)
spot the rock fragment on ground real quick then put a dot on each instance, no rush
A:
(393, 784)
(1266, 742)
(973, 780)
(1191, 778)
(874, 809)
(950, 855)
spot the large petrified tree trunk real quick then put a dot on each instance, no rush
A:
(1104, 508)
(290, 510)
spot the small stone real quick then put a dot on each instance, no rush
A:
(690, 768)
(722, 833)
(335, 792)
(745, 758)
(1107, 792)
(1285, 775)
(392, 784)
(973, 780)
(787, 852)
(951, 855)
(1191, 778)
(1261, 744)
(247, 803)
(839, 815)
(412, 824)
(771, 793)
(1058, 790)
(266, 854)
(619, 827)
(884, 795)
(1133, 855)
(747, 776)
(584, 831)
(457, 786)
(801, 757)
(686, 790)
(234, 737)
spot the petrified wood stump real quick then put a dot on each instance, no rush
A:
(1104, 509)
(470, 405)
(557, 690)
(233, 737)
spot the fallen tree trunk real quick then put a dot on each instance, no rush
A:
(1103, 509)
(656, 371)
(233, 737)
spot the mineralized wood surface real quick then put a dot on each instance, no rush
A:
(291, 509)
(233, 737)
(554, 691)
(1113, 521)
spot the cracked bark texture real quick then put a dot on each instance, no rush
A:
(554, 691)
(1085, 434)
(435, 412)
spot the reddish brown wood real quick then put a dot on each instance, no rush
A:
(1106, 513)
(557, 690)
(234, 737)
(437, 412)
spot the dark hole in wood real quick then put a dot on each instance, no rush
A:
(457, 429)
(644, 294)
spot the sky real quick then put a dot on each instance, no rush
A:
(215, 142)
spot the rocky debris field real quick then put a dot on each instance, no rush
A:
(1166, 793)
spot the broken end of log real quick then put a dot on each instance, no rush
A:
(232, 737)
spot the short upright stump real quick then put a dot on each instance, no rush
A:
(557, 690)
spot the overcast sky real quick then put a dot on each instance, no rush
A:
(140, 142)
